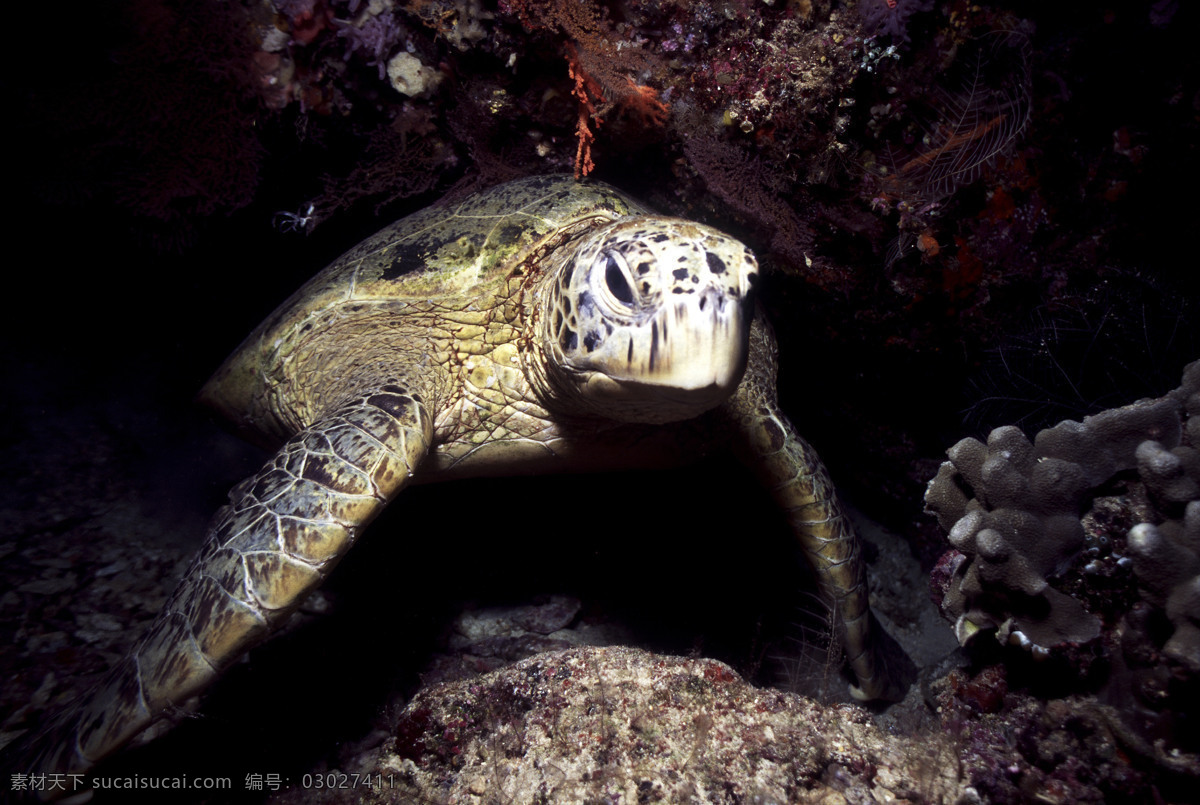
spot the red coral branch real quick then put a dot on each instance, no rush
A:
(596, 67)
(586, 89)
(639, 102)
(643, 103)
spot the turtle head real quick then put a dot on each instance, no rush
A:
(648, 320)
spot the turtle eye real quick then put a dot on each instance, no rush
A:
(617, 280)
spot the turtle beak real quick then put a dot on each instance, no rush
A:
(698, 344)
(689, 359)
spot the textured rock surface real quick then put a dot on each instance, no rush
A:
(623, 725)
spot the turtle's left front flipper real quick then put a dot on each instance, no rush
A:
(800, 484)
(281, 535)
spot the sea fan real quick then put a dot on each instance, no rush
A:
(973, 115)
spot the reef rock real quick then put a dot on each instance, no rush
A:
(618, 724)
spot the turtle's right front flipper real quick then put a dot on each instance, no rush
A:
(801, 485)
(281, 535)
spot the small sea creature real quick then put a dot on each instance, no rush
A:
(300, 221)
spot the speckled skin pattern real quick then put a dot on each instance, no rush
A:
(545, 325)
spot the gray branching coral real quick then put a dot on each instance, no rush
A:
(1017, 515)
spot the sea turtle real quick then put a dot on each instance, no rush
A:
(543, 325)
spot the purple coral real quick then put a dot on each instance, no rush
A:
(890, 16)
(375, 38)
